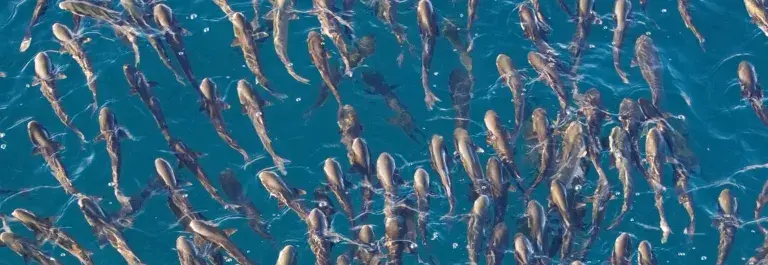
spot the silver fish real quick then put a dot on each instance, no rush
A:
(45, 230)
(647, 58)
(26, 249)
(71, 43)
(43, 144)
(252, 105)
(46, 77)
(439, 160)
(221, 239)
(286, 196)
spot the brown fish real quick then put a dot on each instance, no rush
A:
(471, 18)
(385, 171)
(129, 36)
(139, 85)
(252, 105)
(621, 11)
(174, 36)
(395, 233)
(467, 152)
(105, 230)
(43, 144)
(375, 83)
(682, 7)
(386, 11)
(542, 130)
(751, 89)
(621, 153)
(221, 239)
(71, 43)
(645, 255)
(189, 159)
(523, 250)
(234, 191)
(244, 38)
(539, 15)
(498, 182)
(461, 85)
(479, 218)
(622, 250)
(758, 14)
(630, 116)
(726, 221)
(26, 249)
(361, 163)
(112, 133)
(320, 60)
(332, 28)
(45, 230)
(338, 184)
(536, 219)
(287, 256)
(586, 16)
(188, 254)
(497, 245)
(550, 75)
(427, 20)
(499, 138)
(439, 159)
(224, 5)
(281, 13)
(95, 10)
(421, 188)
(647, 58)
(138, 17)
(349, 126)
(512, 79)
(40, 7)
(318, 243)
(535, 30)
(212, 104)
(655, 158)
(288, 197)
(367, 252)
(45, 77)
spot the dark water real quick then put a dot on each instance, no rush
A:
(723, 132)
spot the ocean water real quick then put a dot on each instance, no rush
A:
(700, 86)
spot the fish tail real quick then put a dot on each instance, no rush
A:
(26, 41)
(295, 75)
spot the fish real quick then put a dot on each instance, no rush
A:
(762, 199)
(681, 176)
(451, 32)
(174, 36)
(585, 17)
(45, 77)
(367, 252)
(45, 230)
(523, 250)
(512, 79)
(682, 7)
(111, 134)
(499, 184)
(394, 227)
(726, 221)
(342, 259)
(592, 109)
(212, 104)
(479, 217)
(281, 13)
(93, 9)
(137, 16)
(43, 144)
(621, 12)
(386, 11)
(129, 36)
(440, 159)
(600, 198)
(621, 153)
(364, 48)
(564, 204)
(471, 18)
(221, 239)
(105, 230)
(630, 116)
(421, 188)
(71, 43)
(403, 119)
(319, 57)
(758, 14)
(245, 37)
(139, 85)
(622, 250)
(26, 249)
(461, 85)
(287, 256)
(331, 27)
(550, 75)
(645, 255)
(349, 126)
(499, 138)
(571, 171)
(535, 30)
(234, 192)
(427, 20)
(316, 237)
(467, 153)
(188, 158)
(337, 183)
(361, 163)
(252, 105)
(497, 244)
(40, 7)
(188, 254)
(647, 58)
(751, 89)
(288, 197)
(761, 255)
(539, 15)
(542, 130)
(323, 92)
(655, 158)
(385, 172)
(536, 219)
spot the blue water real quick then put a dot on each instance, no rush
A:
(723, 132)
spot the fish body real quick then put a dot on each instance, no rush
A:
(758, 14)
(631, 118)
(28, 250)
(645, 255)
(585, 17)
(317, 229)
(542, 130)
(499, 138)
(762, 199)
(385, 171)
(285, 195)
(621, 151)
(386, 11)
(221, 239)
(333, 29)
(451, 32)
(287, 256)
(499, 183)
(467, 151)
(349, 127)
(439, 159)
(427, 21)
(45, 77)
(188, 158)
(367, 252)
(43, 144)
(234, 191)
(654, 156)
(534, 29)
(479, 217)
(40, 7)
(471, 15)
(45, 230)
(337, 183)
(105, 230)
(461, 85)
(647, 58)
(174, 36)
(140, 86)
(403, 119)
(622, 250)
(252, 105)
(682, 7)
(551, 77)
(574, 150)
(111, 133)
(536, 219)
(188, 254)
(212, 105)
(621, 11)
(751, 89)
(319, 56)
(281, 14)
(361, 163)
(497, 244)
(727, 221)
(512, 79)
(71, 43)
(394, 227)
(244, 38)
(421, 188)
(523, 250)
(93, 9)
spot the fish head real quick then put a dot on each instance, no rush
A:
(165, 171)
(342, 260)
(644, 253)
(573, 140)
(421, 182)
(360, 152)
(534, 212)
(461, 135)
(91, 208)
(385, 169)
(540, 123)
(480, 206)
(184, 246)
(287, 256)
(535, 59)
(24, 216)
(37, 133)
(245, 93)
(9, 238)
(366, 235)
(653, 142)
(130, 72)
(642, 43)
(576, 262)
(591, 103)
(504, 64)
(67, 5)
(491, 120)
(62, 32)
(273, 183)
(333, 173)
(629, 113)
(622, 245)
(107, 120)
(727, 202)
(747, 77)
(618, 141)
(523, 248)
(347, 116)
(238, 21)
(585, 8)
(208, 89)
(202, 228)
(558, 195)
(316, 221)
(43, 66)
(163, 16)
(496, 177)
(500, 233)
(393, 227)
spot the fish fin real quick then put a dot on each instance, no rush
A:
(224, 105)
(299, 191)
(230, 231)
(35, 82)
(99, 138)
(243, 109)
(269, 15)
(36, 150)
(235, 43)
(185, 32)
(633, 63)
(259, 35)
(60, 76)
(121, 134)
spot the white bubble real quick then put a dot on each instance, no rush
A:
(436, 73)
(206, 29)
(193, 16)
(322, 204)
(461, 15)
(578, 187)
(3, 146)
(111, 184)
(681, 254)
(2, 134)
(703, 257)
(62, 255)
(414, 245)
(298, 99)
(455, 245)
(664, 10)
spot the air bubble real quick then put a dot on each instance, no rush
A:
(436, 73)
(322, 204)
(206, 29)
(578, 187)
(2, 134)
(455, 245)
(3, 146)
(62, 255)
(664, 10)
(703, 257)
(193, 16)
(681, 254)
(298, 99)
(414, 245)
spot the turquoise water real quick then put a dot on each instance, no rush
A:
(723, 132)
